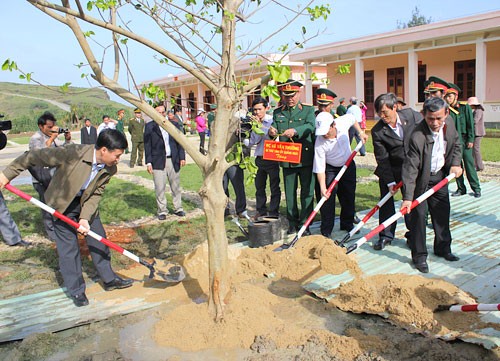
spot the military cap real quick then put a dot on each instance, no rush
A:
(453, 88)
(291, 87)
(436, 84)
(137, 110)
(213, 106)
(325, 96)
(341, 100)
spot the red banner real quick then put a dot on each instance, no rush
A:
(282, 151)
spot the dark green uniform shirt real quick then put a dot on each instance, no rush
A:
(464, 121)
(302, 119)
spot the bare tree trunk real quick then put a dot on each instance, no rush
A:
(214, 202)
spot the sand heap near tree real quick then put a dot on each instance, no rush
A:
(264, 283)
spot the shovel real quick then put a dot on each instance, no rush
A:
(469, 308)
(173, 274)
(400, 214)
(369, 215)
(322, 200)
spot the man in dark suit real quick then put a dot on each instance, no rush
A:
(164, 159)
(82, 172)
(434, 151)
(88, 133)
(391, 136)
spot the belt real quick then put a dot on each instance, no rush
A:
(436, 173)
(169, 156)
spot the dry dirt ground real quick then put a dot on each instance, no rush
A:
(269, 316)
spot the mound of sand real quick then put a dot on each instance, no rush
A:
(256, 303)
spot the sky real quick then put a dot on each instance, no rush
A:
(50, 51)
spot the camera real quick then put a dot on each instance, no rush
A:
(245, 126)
(5, 125)
(60, 130)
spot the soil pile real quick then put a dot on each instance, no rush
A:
(256, 317)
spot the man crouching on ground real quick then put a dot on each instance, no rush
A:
(82, 172)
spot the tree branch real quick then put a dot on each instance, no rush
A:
(42, 4)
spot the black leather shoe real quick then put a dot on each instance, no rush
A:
(325, 235)
(449, 257)
(380, 244)
(457, 193)
(422, 267)
(80, 300)
(22, 243)
(356, 220)
(180, 214)
(307, 232)
(477, 194)
(291, 230)
(162, 217)
(117, 283)
(348, 229)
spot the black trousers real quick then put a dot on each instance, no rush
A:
(236, 176)
(271, 169)
(439, 208)
(346, 192)
(388, 210)
(48, 220)
(70, 263)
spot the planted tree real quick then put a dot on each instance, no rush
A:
(201, 38)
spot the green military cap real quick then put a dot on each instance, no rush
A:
(341, 100)
(213, 106)
(436, 84)
(290, 87)
(325, 96)
(453, 88)
(137, 110)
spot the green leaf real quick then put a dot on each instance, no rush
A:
(90, 4)
(65, 87)
(28, 77)
(124, 41)
(304, 30)
(89, 33)
(21, 76)
(5, 64)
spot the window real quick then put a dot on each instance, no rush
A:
(465, 78)
(369, 80)
(396, 81)
(422, 76)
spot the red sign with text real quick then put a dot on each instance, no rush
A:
(282, 151)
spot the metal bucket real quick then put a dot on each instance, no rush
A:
(265, 231)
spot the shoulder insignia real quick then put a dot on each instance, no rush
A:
(307, 105)
(336, 115)
(463, 102)
(454, 110)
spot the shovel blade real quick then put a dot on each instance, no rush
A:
(172, 273)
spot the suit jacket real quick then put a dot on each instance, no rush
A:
(73, 166)
(390, 150)
(87, 138)
(417, 165)
(136, 130)
(302, 119)
(154, 148)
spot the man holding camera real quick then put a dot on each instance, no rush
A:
(46, 137)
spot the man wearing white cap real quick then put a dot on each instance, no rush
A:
(331, 151)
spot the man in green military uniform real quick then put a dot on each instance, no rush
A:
(461, 112)
(136, 130)
(341, 109)
(325, 98)
(211, 115)
(295, 122)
